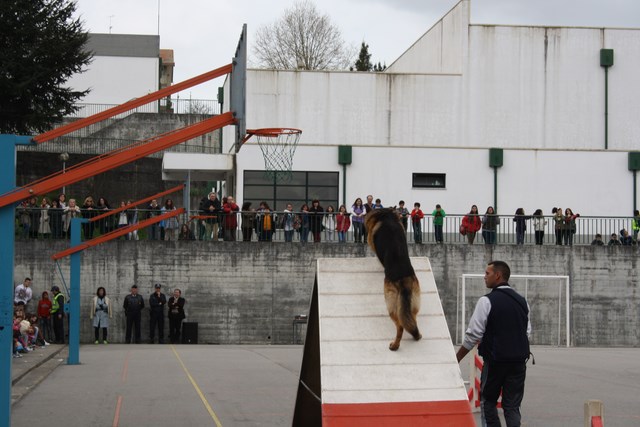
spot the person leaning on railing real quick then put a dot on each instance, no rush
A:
(342, 223)
(569, 226)
(287, 223)
(230, 219)
(55, 219)
(153, 210)
(635, 224)
(248, 217)
(265, 223)
(105, 224)
(211, 208)
(558, 220)
(490, 222)
(471, 224)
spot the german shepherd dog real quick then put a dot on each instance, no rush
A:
(388, 240)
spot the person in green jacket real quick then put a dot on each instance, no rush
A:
(57, 314)
(438, 219)
(635, 224)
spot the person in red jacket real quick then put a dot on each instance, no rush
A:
(471, 224)
(44, 316)
(416, 221)
(230, 219)
(343, 222)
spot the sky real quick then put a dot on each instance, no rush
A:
(204, 33)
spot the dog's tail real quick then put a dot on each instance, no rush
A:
(409, 289)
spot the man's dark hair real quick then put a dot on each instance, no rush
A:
(502, 267)
(27, 278)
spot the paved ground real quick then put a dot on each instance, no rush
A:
(164, 385)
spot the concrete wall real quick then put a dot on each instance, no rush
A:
(250, 292)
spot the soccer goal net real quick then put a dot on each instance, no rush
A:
(548, 298)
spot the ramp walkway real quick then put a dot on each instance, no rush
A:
(350, 377)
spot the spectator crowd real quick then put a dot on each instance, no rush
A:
(224, 220)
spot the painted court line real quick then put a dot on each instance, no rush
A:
(116, 417)
(195, 385)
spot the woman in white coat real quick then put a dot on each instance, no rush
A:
(100, 314)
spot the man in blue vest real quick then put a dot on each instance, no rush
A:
(57, 314)
(500, 323)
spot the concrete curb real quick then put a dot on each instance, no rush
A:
(26, 381)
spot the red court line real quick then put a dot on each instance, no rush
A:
(116, 416)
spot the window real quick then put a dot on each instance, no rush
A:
(301, 188)
(429, 180)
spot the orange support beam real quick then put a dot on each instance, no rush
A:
(139, 202)
(134, 103)
(118, 158)
(116, 233)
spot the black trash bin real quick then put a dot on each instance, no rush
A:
(189, 332)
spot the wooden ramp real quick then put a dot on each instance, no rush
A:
(349, 377)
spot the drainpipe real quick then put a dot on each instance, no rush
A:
(634, 166)
(496, 159)
(606, 61)
(344, 158)
(344, 185)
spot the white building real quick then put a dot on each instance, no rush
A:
(124, 66)
(538, 93)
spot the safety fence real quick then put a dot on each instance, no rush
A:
(40, 223)
(165, 105)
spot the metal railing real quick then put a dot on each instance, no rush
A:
(37, 223)
(163, 106)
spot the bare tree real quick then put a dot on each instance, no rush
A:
(302, 39)
(198, 107)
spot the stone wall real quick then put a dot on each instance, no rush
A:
(242, 293)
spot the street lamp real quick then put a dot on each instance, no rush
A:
(64, 157)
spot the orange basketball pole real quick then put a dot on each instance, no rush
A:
(116, 233)
(134, 103)
(119, 158)
(139, 202)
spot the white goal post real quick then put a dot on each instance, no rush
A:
(463, 311)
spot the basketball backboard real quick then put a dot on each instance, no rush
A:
(238, 95)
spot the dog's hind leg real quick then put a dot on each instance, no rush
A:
(395, 344)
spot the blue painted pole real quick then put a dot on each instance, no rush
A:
(7, 231)
(74, 297)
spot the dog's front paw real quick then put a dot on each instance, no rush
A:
(417, 337)
(393, 346)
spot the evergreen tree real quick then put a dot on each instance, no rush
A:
(42, 46)
(379, 67)
(364, 59)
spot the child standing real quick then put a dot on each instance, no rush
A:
(438, 219)
(416, 221)
(342, 223)
(44, 316)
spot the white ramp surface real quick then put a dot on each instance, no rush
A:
(355, 330)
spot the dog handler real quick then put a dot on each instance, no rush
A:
(500, 323)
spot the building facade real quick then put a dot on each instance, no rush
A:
(422, 129)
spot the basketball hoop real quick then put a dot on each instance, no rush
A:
(278, 145)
